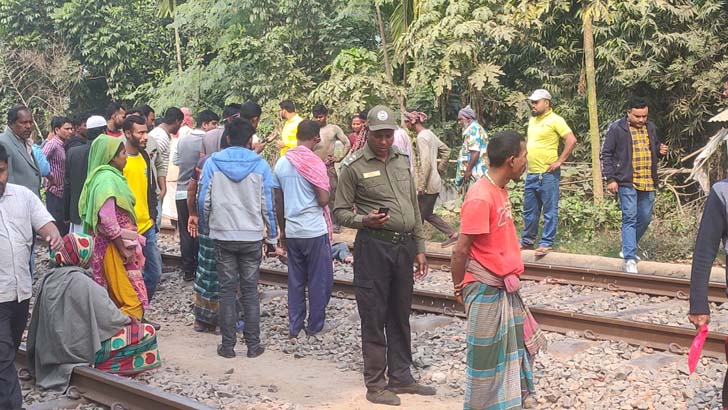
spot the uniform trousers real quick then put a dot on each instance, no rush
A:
(383, 281)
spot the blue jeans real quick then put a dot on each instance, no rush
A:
(238, 268)
(152, 271)
(541, 192)
(309, 268)
(636, 215)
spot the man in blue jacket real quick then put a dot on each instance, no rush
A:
(236, 196)
(629, 164)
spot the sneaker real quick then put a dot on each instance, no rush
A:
(188, 276)
(383, 396)
(621, 255)
(414, 388)
(526, 246)
(630, 266)
(226, 352)
(255, 351)
(328, 326)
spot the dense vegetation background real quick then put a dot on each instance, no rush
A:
(434, 55)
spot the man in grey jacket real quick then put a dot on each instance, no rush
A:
(237, 200)
(22, 167)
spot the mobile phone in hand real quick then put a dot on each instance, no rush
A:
(384, 210)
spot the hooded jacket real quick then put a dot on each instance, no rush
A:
(236, 196)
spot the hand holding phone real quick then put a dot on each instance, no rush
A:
(384, 210)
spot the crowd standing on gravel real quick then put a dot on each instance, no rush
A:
(107, 180)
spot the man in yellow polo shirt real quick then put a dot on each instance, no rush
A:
(290, 127)
(545, 130)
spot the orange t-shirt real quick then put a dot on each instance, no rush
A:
(486, 213)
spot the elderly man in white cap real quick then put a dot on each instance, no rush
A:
(76, 170)
(545, 131)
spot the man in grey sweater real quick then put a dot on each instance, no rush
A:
(186, 157)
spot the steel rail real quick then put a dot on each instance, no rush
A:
(116, 392)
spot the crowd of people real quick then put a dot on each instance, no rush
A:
(107, 181)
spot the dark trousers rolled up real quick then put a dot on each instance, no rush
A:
(189, 246)
(383, 286)
(309, 267)
(13, 319)
(426, 203)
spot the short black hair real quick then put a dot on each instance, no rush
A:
(636, 102)
(3, 154)
(133, 119)
(135, 111)
(307, 130)
(112, 108)
(145, 109)
(239, 131)
(58, 122)
(80, 118)
(250, 110)
(230, 110)
(206, 116)
(172, 115)
(363, 115)
(14, 111)
(319, 109)
(92, 133)
(287, 105)
(503, 145)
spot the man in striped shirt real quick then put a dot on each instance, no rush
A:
(55, 152)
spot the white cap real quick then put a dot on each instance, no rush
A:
(540, 94)
(95, 121)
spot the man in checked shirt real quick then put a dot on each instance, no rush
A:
(629, 163)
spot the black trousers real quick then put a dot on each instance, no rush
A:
(383, 286)
(13, 318)
(189, 246)
(426, 203)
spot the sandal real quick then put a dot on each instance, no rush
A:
(542, 251)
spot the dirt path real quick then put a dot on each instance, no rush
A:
(310, 383)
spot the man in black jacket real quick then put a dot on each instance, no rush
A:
(76, 171)
(629, 164)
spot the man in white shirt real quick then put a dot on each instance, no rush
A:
(162, 136)
(21, 212)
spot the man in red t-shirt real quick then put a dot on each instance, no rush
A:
(486, 264)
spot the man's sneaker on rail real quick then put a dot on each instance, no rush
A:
(630, 266)
(383, 396)
(414, 388)
(621, 255)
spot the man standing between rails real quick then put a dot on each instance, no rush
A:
(325, 149)
(541, 189)
(301, 186)
(377, 196)
(629, 161)
(486, 264)
(433, 155)
(288, 133)
(21, 213)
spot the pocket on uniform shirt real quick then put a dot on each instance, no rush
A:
(373, 184)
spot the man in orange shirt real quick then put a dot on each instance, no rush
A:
(486, 263)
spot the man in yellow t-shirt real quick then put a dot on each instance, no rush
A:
(546, 129)
(138, 174)
(290, 127)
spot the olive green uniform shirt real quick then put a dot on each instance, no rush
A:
(367, 183)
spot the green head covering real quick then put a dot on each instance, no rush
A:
(103, 182)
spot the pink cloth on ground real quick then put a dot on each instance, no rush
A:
(310, 166)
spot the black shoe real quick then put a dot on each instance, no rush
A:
(384, 396)
(225, 352)
(188, 276)
(254, 352)
(155, 325)
(414, 388)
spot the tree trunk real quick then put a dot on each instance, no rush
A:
(387, 63)
(591, 91)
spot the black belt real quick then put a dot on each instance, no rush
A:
(389, 236)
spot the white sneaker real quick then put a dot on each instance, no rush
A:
(630, 266)
(621, 255)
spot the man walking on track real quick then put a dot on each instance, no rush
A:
(377, 196)
(301, 187)
(541, 190)
(486, 264)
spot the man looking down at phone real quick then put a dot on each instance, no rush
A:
(376, 181)
(237, 197)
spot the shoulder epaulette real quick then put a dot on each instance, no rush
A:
(352, 158)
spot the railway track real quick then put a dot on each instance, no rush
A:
(117, 393)
(656, 336)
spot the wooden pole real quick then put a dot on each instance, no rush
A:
(591, 90)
